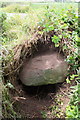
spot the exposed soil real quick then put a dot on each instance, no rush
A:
(42, 101)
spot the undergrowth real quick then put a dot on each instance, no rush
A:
(66, 37)
(7, 106)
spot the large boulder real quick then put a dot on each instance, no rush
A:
(47, 68)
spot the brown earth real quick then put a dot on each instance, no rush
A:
(38, 102)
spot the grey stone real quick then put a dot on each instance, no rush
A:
(44, 69)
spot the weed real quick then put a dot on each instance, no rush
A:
(44, 115)
(7, 106)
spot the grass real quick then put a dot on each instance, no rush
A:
(16, 8)
(17, 28)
